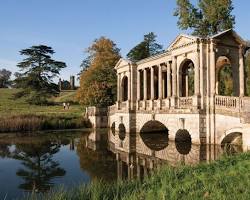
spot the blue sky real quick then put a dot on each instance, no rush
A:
(70, 26)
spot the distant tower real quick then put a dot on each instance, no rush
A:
(72, 82)
(60, 84)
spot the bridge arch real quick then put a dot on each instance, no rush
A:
(186, 78)
(154, 135)
(231, 136)
(122, 131)
(124, 87)
(225, 81)
(154, 126)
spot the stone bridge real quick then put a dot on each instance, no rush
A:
(183, 88)
(197, 85)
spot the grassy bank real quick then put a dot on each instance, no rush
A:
(228, 178)
(18, 115)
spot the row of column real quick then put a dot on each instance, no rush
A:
(171, 84)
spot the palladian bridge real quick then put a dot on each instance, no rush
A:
(180, 89)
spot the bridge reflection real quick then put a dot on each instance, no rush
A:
(137, 155)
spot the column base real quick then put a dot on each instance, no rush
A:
(118, 105)
(196, 101)
(173, 102)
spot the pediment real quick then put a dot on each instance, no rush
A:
(122, 63)
(181, 40)
(229, 37)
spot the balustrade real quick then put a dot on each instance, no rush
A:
(226, 102)
(185, 102)
(112, 108)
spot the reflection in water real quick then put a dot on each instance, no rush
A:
(183, 142)
(95, 157)
(144, 152)
(38, 165)
(4, 150)
(66, 158)
(155, 141)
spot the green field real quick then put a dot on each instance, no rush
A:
(225, 179)
(16, 115)
(10, 106)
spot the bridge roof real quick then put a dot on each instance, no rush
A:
(237, 37)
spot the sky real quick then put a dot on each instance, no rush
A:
(70, 26)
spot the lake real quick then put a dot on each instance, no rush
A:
(41, 161)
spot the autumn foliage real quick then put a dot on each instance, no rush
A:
(98, 78)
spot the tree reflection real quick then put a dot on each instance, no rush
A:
(4, 150)
(39, 168)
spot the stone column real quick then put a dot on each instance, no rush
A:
(129, 85)
(174, 77)
(160, 82)
(186, 84)
(118, 91)
(212, 93)
(174, 84)
(168, 80)
(145, 84)
(212, 69)
(201, 74)
(138, 85)
(152, 83)
(241, 72)
(164, 86)
(118, 87)
(197, 74)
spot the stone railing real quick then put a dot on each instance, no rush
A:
(155, 102)
(227, 102)
(112, 108)
(140, 104)
(123, 105)
(185, 102)
(91, 111)
(95, 111)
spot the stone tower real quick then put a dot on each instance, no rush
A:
(60, 84)
(72, 82)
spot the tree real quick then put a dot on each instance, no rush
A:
(38, 70)
(208, 18)
(98, 81)
(148, 47)
(5, 78)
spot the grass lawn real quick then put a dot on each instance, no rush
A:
(16, 115)
(10, 106)
(225, 179)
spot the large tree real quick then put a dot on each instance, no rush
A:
(5, 78)
(98, 79)
(208, 17)
(37, 72)
(148, 47)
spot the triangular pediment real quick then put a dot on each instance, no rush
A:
(181, 40)
(122, 63)
(229, 37)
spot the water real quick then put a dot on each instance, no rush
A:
(43, 161)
